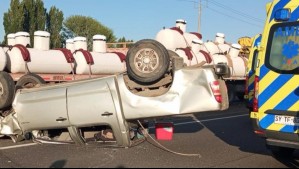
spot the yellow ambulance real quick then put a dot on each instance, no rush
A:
(275, 113)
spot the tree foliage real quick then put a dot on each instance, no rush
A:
(31, 16)
(88, 27)
(54, 24)
(13, 19)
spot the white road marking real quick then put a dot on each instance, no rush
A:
(215, 119)
(207, 120)
(18, 146)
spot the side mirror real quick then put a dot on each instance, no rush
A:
(222, 69)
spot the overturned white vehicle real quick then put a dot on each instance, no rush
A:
(156, 84)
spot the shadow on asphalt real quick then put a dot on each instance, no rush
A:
(58, 164)
(237, 131)
(290, 162)
(232, 132)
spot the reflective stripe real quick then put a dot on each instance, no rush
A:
(266, 121)
(289, 129)
(295, 14)
(264, 70)
(273, 88)
(288, 102)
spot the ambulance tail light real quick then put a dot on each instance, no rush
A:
(256, 91)
(215, 86)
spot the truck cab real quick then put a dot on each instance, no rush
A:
(275, 113)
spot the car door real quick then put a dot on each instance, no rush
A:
(43, 108)
(93, 102)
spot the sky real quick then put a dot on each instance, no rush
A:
(143, 19)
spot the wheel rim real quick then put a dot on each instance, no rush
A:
(146, 60)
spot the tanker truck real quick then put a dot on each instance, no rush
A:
(25, 67)
(193, 50)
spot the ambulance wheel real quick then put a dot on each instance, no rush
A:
(7, 90)
(147, 61)
(281, 151)
(29, 81)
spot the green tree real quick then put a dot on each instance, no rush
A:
(54, 24)
(13, 20)
(35, 16)
(88, 27)
(31, 16)
(123, 39)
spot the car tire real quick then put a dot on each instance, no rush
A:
(147, 61)
(29, 81)
(7, 90)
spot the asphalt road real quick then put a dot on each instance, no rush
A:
(223, 139)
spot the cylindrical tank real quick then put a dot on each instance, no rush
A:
(196, 45)
(220, 58)
(239, 63)
(22, 38)
(41, 40)
(52, 61)
(182, 24)
(3, 59)
(211, 47)
(69, 44)
(224, 48)
(194, 55)
(171, 39)
(190, 36)
(235, 50)
(11, 39)
(104, 63)
(99, 43)
(220, 38)
(80, 43)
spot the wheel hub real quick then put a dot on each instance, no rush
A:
(146, 60)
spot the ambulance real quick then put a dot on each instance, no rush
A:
(275, 113)
(250, 70)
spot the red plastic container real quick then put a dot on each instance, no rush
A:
(164, 131)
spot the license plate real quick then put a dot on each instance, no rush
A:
(286, 120)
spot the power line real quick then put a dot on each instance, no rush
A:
(235, 11)
(230, 10)
(234, 17)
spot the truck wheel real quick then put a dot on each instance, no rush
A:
(147, 61)
(231, 93)
(7, 90)
(29, 81)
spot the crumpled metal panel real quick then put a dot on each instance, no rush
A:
(9, 126)
(189, 93)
